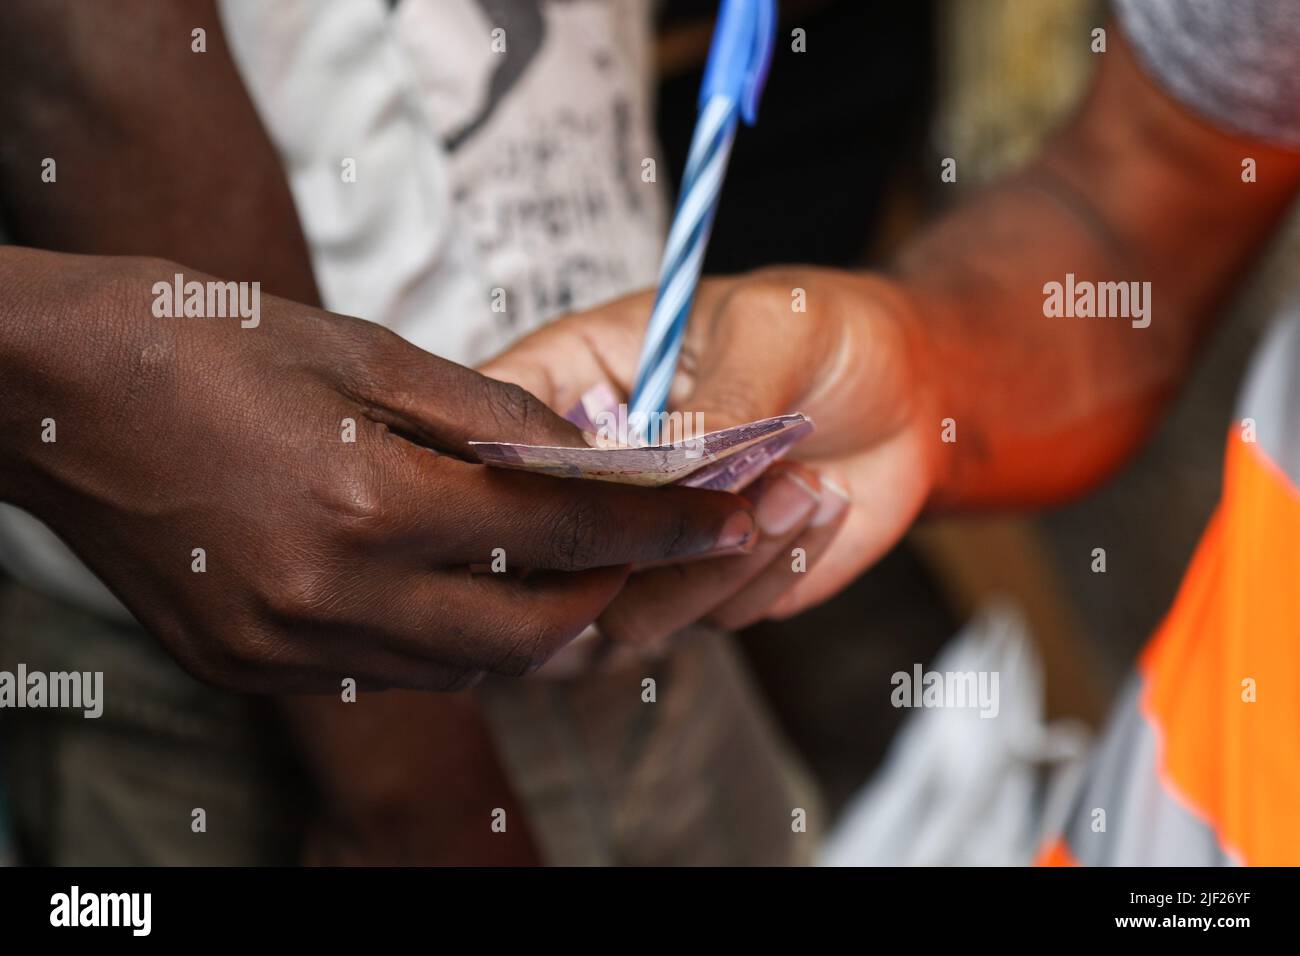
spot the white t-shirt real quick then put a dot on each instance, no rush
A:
(464, 170)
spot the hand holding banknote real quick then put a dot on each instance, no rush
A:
(339, 537)
(847, 489)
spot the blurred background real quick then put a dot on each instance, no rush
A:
(840, 173)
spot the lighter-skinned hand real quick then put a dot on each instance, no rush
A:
(852, 362)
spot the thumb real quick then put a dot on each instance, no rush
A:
(562, 361)
(446, 406)
(525, 368)
(736, 380)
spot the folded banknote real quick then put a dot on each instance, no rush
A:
(724, 460)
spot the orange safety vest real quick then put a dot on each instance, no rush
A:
(1201, 762)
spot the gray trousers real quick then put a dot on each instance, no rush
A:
(700, 776)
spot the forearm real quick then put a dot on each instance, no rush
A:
(1040, 407)
(158, 150)
(414, 779)
(68, 331)
(1134, 190)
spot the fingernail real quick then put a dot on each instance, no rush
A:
(737, 534)
(833, 504)
(784, 503)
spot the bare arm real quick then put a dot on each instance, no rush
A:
(158, 149)
(1134, 188)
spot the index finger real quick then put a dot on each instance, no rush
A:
(568, 524)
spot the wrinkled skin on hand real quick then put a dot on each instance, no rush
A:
(324, 558)
(853, 362)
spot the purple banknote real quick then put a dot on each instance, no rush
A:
(724, 460)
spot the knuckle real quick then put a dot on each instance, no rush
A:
(369, 354)
(677, 535)
(511, 406)
(300, 594)
(353, 499)
(208, 657)
(208, 669)
(371, 335)
(757, 293)
(673, 532)
(261, 649)
(263, 658)
(216, 664)
(737, 401)
(736, 394)
(578, 535)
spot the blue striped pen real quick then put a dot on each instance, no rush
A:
(733, 82)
